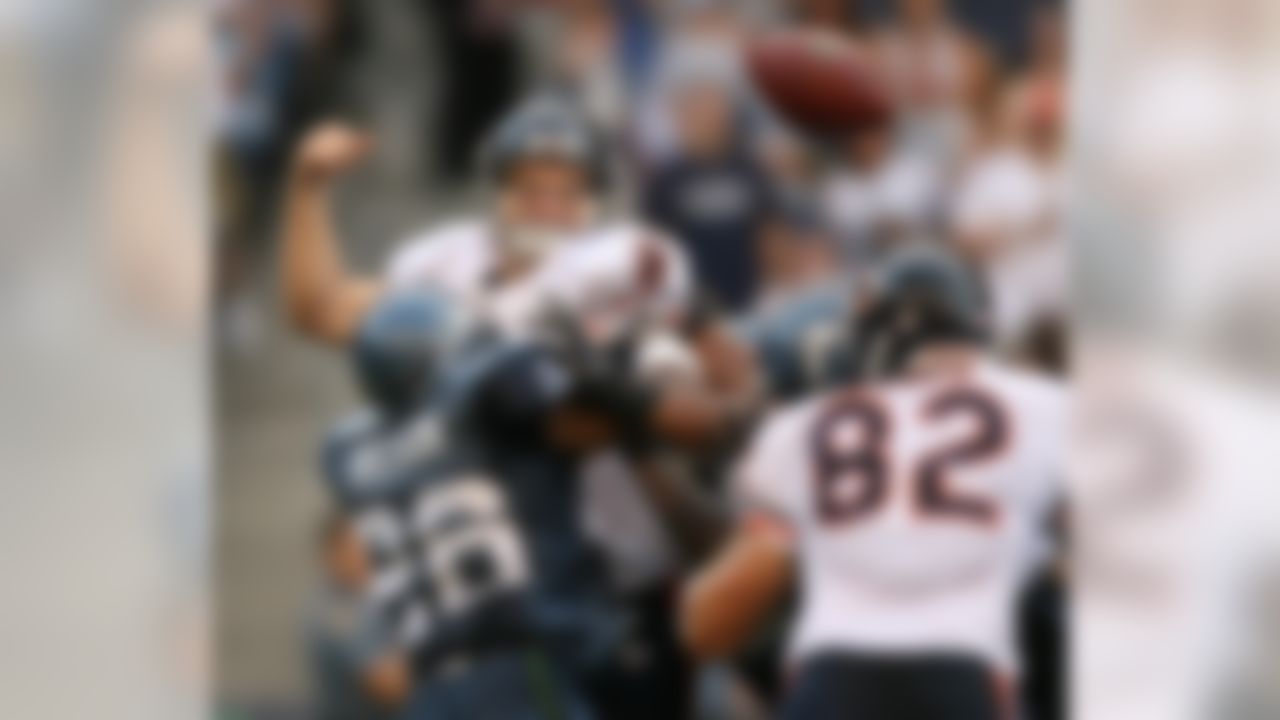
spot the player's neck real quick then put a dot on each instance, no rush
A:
(948, 360)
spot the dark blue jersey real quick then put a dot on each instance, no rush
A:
(803, 341)
(472, 514)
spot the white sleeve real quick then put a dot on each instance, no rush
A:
(770, 477)
(436, 255)
(412, 262)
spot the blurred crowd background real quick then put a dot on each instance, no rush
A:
(972, 160)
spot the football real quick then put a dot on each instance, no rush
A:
(818, 81)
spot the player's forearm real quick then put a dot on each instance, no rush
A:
(322, 299)
(387, 681)
(697, 418)
(734, 390)
(725, 603)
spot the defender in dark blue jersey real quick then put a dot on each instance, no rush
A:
(803, 341)
(461, 480)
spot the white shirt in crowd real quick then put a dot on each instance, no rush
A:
(1015, 203)
(904, 193)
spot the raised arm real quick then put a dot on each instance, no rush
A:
(323, 300)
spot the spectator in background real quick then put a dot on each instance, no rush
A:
(837, 15)
(881, 193)
(284, 62)
(706, 35)
(934, 66)
(790, 162)
(712, 194)
(588, 59)
(1042, 87)
(1006, 214)
(263, 49)
(851, 194)
(480, 74)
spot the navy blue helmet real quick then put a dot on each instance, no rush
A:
(402, 345)
(923, 294)
(545, 126)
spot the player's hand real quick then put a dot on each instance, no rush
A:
(328, 150)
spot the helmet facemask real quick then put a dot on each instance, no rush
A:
(546, 163)
(541, 202)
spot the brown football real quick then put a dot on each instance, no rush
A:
(818, 81)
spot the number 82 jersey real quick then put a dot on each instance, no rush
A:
(915, 509)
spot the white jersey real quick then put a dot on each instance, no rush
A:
(609, 276)
(612, 279)
(916, 508)
(456, 257)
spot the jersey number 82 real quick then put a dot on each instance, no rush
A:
(854, 470)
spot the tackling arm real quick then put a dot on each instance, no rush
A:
(730, 598)
(388, 680)
(722, 403)
(323, 300)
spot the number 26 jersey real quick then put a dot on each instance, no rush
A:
(470, 520)
(915, 508)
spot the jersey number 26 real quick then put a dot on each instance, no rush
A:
(462, 539)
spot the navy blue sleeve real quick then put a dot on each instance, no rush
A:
(335, 453)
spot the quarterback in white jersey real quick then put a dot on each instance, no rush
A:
(545, 165)
(541, 246)
(617, 274)
(911, 509)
